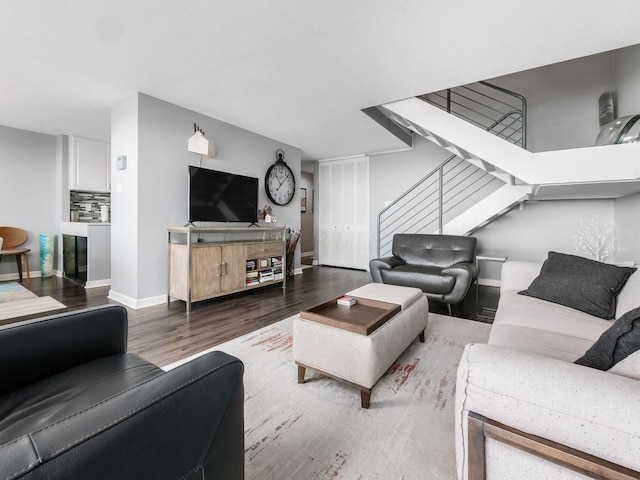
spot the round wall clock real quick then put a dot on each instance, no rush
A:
(279, 181)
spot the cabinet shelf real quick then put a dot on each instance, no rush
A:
(208, 262)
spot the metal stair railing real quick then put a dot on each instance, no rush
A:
(455, 184)
(474, 104)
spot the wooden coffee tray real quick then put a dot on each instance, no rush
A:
(364, 317)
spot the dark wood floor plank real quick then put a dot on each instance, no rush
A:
(165, 333)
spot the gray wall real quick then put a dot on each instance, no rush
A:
(562, 100)
(627, 209)
(306, 218)
(154, 194)
(28, 195)
(392, 174)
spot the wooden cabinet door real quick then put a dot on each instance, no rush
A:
(234, 258)
(205, 271)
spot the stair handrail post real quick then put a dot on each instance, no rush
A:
(448, 100)
(441, 191)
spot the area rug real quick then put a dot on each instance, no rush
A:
(317, 430)
(13, 291)
(18, 304)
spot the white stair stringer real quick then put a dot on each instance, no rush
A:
(488, 209)
(550, 170)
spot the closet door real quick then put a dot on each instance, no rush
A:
(330, 213)
(344, 213)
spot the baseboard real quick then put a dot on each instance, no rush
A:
(315, 263)
(297, 271)
(98, 283)
(489, 282)
(5, 277)
(134, 302)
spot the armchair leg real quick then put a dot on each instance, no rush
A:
(449, 308)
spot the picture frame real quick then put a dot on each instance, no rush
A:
(303, 200)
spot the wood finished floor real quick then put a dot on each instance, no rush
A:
(164, 333)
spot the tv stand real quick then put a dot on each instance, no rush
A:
(219, 261)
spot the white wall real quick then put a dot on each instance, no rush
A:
(124, 202)
(157, 197)
(28, 195)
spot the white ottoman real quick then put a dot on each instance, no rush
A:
(361, 360)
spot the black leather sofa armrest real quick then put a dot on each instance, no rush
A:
(462, 270)
(35, 349)
(378, 264)
(187, 423)
(465, 274)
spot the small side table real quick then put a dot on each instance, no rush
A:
(480, 309)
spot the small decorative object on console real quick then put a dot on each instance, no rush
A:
(347, 301)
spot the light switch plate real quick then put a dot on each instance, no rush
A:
(121, 162)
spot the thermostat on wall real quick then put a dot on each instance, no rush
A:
(121, 162)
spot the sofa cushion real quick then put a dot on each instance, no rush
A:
(629, 367)
(521, 311)
(580, 283)
(403, 296)
(629, 296)
(434, 250)
(614, 345)
(427, 279)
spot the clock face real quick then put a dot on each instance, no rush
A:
(279, 183)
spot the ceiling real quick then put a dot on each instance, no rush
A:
(296, 71)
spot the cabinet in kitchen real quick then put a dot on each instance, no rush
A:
(89, 165)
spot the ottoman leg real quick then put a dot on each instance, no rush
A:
(365, 397)
(301, 371)
(421, 336)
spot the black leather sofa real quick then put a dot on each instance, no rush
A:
(442, 266)
(75, 405)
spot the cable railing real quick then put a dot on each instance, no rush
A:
(455, 185)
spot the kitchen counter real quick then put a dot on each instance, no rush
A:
(80, 229)
(98, 252)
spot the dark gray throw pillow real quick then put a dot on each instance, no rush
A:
(616, 344)
(580, 283)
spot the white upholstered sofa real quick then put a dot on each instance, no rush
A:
(524, 410)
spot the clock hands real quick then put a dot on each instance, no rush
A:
(282, 182)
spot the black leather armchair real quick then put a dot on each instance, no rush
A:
(442, 266)
(75, 405)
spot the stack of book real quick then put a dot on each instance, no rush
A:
(266, 276)
(276, 263)
(252, 278)
(346, 301)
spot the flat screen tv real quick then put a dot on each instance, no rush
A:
(222, 197)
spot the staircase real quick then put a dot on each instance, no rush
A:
(496, 148)
(464, 193)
